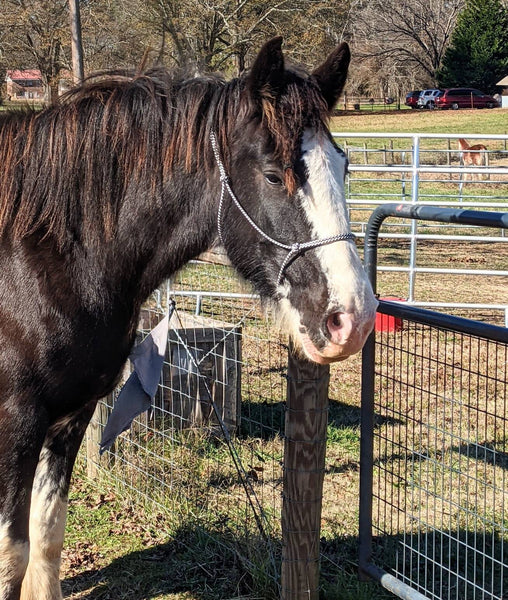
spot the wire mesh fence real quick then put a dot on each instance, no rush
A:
(219, 468)
(433, 456)
(439, 521)
(210, 450)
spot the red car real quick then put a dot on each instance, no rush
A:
(412, 98)
(464, 98)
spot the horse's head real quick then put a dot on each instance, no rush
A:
(287, 173)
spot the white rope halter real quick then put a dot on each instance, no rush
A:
(295, 249)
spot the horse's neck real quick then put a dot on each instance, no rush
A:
(463, 145)
(158, 242)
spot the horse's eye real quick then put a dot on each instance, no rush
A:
(273, 179)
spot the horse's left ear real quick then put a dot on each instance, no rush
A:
(266, 75)
(331, 75)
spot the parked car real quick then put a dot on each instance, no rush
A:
(465, 98)
(412, 98)
(427, 98)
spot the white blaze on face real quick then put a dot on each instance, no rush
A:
(349, 291)
(322, 198)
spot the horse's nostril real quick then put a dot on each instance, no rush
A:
(336, 320)
(334, 323)
(340, 326)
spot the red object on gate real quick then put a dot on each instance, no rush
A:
(387, 322)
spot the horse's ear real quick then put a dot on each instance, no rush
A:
(266, 75)
(331, 75)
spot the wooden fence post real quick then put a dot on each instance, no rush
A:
(94, 435)
(304, 465)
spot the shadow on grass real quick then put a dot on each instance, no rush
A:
(265, 420)
(211, 566)
(207, 565)
(197, 566)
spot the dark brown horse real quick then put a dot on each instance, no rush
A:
(105, 195)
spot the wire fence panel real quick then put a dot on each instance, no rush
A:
(440, 448)
(219, 469)
(433, 495)
(210, 450)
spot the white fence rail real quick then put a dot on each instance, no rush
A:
(429, 169)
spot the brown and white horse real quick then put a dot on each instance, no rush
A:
(109, 192)
(473, 156)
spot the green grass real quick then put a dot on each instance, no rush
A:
(484, 121)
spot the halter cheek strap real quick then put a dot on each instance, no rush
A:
(295, 249)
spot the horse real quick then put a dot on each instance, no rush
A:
(104, 195)
(472, 156)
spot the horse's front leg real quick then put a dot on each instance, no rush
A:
(48, 511)
(22, 430)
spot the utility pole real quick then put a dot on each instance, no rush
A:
(76, 44)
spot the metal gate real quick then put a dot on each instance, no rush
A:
(434, 443)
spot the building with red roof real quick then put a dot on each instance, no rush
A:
(24, 85)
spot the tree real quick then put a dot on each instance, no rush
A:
(315, 27)
(201, 36)
(412, 35)
(478, 52)
(37, 35)
(116, 34)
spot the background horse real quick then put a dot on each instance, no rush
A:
(473, 156)
(105, 195)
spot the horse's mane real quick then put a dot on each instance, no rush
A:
(67, 169)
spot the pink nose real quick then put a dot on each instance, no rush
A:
(340, 326)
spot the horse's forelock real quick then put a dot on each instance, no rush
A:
(299, 106)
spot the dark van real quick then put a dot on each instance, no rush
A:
(464, 98)
(412, 98)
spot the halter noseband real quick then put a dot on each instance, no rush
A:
(295, 249)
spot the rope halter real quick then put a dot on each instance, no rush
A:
(295, 249)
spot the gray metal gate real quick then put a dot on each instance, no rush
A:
(434, 447)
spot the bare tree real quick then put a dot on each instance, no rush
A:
(414, 33)
(116, 33)
(37, 35)
(207, 35)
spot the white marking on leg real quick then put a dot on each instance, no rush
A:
(13, 561)
(48, 514)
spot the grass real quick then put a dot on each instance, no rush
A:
(484, 121)
(201, 543)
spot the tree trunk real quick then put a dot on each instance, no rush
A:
(76, 43)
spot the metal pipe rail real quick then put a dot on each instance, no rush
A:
(367, 568)
(415, 183)
(423, 213)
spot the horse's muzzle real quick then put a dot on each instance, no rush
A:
(346, 335)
